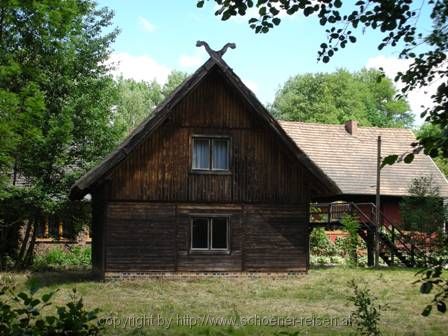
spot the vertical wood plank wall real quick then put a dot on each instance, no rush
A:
(154, 192)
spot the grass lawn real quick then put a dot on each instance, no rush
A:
(321, 294)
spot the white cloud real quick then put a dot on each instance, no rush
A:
(253, 86)
(418, 97)
(146, 25)
(140, 68)
(192, 61)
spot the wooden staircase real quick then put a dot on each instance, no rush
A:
(395, 246)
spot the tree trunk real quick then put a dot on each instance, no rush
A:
(19, 261)
(28, 260)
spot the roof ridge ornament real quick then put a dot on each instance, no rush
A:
(213, 53)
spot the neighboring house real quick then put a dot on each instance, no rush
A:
(347, 154)
(55, 229)
(209, 183)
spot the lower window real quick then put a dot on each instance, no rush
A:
(210, 233)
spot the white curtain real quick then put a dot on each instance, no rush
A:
(220, 154)
(201, 154)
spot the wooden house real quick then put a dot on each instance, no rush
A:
(347, 154)
(210, 182)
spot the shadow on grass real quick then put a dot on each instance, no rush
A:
(366, 269)
(38, 280)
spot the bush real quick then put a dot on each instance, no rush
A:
(351, 225)
(423, 210)
(320, 244)
(366, 314)
(21, 313)
(58, 257)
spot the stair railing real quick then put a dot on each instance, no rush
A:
(392, 229)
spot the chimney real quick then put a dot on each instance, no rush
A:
(351, 126)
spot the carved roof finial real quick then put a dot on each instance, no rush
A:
(214, 53)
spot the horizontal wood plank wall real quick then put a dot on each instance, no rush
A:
(140, 237)
(193, 261)
(148, 237)
(262, 168)
(276, 238)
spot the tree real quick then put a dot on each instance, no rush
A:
(136, 100)
(423, 210)
(175, 78)
(397, 20)
(55, 102)
(427, 130)
(364, 96)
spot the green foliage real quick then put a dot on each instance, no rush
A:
(431, 280)
(320, 244)
(57, 110)
(423, 211)
(56, 101)
(52, 71)
(367, 313)
(175, 78)
(58, 257)
(136, 100)
(334, 98)
(341, 252)
(24, 313)
(429, 130)
(351, 226)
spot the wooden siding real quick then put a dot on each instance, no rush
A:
(146, 237)
(210, 261)
(276, 238)
(262, 168)
(153, 193)
(140, 237)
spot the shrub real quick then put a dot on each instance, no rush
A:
(58, 257)
(366, 314)
(320, 244)
(423, 210)
(21, 313)
(351, 225)
(432, 279)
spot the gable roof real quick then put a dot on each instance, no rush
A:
(350, 160)
(97, 174)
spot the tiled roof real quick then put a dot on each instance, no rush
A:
(350, 160)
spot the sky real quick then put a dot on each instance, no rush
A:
(157, 37)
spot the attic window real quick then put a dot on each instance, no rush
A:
(211, 153)
(210, 233)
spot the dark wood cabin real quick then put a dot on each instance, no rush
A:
(210, 182)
